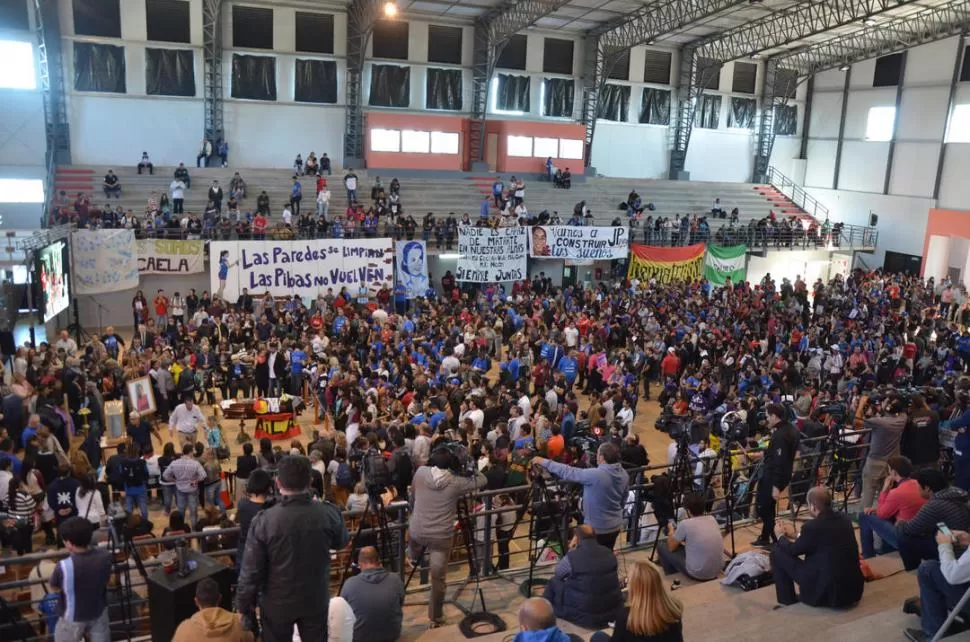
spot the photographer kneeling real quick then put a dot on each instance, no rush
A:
(437, 490)
(604, 490)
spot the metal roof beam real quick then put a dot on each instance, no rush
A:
(792, 25)
(656, 19)
(509, 18)
(916, 29)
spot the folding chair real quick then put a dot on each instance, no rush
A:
(952, 616)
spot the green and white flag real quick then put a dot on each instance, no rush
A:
(725, 261)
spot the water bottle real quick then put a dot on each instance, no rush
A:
(181, 554)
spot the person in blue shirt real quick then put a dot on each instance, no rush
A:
(297, 362)
(569, 367)
(400, 298)
(550, 169)
(483, 208)
(6, 452)
(497, 187)
(568, 424)
(296, 195)
(30, 431)
(339, 321)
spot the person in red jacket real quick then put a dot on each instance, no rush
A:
(670, 365)
(900, 499)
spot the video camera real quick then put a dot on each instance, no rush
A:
(462, 463)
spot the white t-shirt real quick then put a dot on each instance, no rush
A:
(351, 182)
(93, 499)
(287, 216)
(572, 336)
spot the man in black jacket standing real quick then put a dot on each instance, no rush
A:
(776, 469)
(829, 575)
(286, 563)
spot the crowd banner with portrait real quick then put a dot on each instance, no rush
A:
(141, 396)
(160, 256)
(578, 243)
(304, 268)
(104, 261)
(665, 264)
(491, 255)
(412, 268)
(726, 261)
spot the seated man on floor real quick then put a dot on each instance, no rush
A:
(376, 598)
(947, 504)
(941, 584)
(145, 163)
(696, 548)
(585, 588)
(112, 186)
(537, 622)
(212, 622)
(899, 500)
(829, 575)
(182, 174)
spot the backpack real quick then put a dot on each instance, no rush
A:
(344, 477)
(376, 470)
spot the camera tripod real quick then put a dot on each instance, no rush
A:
(469, 626)
(540, 497)
(375, 509)
(121, 546)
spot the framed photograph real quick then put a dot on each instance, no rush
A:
(114, 418)
(141, 396)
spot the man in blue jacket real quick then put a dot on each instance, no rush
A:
(604, 491)
(538, 622)
(585, 588)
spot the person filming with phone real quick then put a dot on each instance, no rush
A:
(942, 582)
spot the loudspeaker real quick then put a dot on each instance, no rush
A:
(873, 219)
(171, 599)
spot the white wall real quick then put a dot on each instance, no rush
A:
(902, 220)
(270, 135)
(809, 265)
(921, 125)
(616, 144)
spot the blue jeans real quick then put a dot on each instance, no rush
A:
(600, 636)
(213, 496)
(190, 500)
(168, 494)
(351, 195)
(275, 388)
(137, 494)
(913, 550)
(936, 596)
(98, 629)
(886, 530)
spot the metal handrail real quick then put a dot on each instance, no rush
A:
(797, 194)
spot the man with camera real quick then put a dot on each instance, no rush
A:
(604, 490)
(437, 489)
(777, 463)
(887, 430)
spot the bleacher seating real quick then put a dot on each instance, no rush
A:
(715, 613)
(439, 195)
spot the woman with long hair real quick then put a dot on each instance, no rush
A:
(653, 614)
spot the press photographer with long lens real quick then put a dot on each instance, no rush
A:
(604, 490)
(777, 463)
(437, 489)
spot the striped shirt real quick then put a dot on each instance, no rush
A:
(186, 472)
(23, 506)
(82, 580)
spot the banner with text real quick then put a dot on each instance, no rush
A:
(576, 243)
(158, 256)
(491, 255)
(665, 264)
(726, 261)
(104, 261)
(304, 268)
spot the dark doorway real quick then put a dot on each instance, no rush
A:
(899, 263)
(568, 276)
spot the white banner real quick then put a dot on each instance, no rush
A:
(491, 255)
(104, 261)
(578, 243)
(412, 268)
(159, 256)
(304, 268)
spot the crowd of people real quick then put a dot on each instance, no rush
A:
(514, 379)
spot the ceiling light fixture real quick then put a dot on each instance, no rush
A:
(869, 22)
(754, 55)
(844, 68)
(390, 10)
